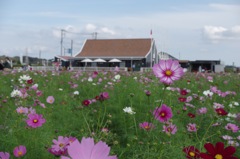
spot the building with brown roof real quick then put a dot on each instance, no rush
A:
(131, 53)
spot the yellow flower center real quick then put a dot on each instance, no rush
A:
(192, 154)
(35, 120)
(20, 153)
(146, 127)
(20, 111)
(61, 145)
(50, 100)
(162, 114)
(218, 156)
(168, 72)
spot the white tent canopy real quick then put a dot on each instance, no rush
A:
(99, 60)
(87, 60)
(114, 60)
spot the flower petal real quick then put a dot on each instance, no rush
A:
(228, 151)
(210, 148)
(100, 151)
(206, 156)
(219, 147)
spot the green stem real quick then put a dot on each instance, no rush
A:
(86, 123)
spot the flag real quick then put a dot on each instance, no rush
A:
(151, 32)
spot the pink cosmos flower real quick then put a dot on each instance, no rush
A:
(170, 129)
(50, 99)
(19, 151)
(168, 71)
(39, 93)
(163, 113)
(191, 127)
(88, 150)
(4, 155)
(232, 127)
(104, 96)
(146, 126)
(35, 120)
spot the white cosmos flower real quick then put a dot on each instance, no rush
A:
(16, 93)
(231, 115)
(208, 93)
(236, 103)
(25, 77)
(76, 93)
(90, 79)
(117, 77)
(129, 110)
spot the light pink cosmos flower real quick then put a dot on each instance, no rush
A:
(202, 110)
(22, 110)
(4, 155)
(170, 129)
(88, 150)
(234, 128)
(60, 144)
(32, 111)
(50, 99)
(191, 127)
(19, 151)
(227, 137)
(146, 126)
(163, 113)
(168, 71)
(238, 137)
(35, 120)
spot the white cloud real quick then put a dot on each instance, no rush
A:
(216, 33)
(90, 27)
(107, 30)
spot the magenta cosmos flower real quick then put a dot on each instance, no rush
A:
(88, 150)
(50, 99)
(168, 71)
(163, 113)
(35, 120)
(19, 151)
(4, 155)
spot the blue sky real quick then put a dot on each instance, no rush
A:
(189, 30)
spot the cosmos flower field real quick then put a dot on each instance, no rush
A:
(124, 115)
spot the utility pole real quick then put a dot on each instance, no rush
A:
(71, 47)
(95, 35)
(62, 34)
(26, 58)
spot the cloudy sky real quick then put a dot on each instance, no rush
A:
(187, 29)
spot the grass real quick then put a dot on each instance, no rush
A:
(67, 116)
